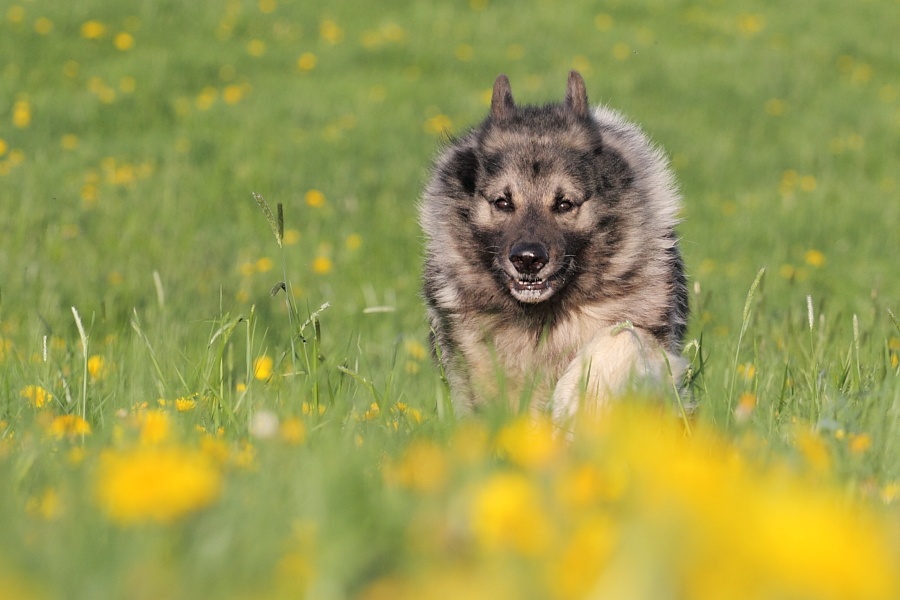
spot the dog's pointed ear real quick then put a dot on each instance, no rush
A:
(502, 103)
(576, 95)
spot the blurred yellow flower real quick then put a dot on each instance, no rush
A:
(423, 468)
(15, 14)
(43, 26)
(36, 395)
(322, 265)
(438, 124)
(859, 443)
(97, 367)
(68, 142)
(815, 258)
(21, 116)
(293, 431)
(264, 264)
(68, 426)
(529, 443)
(256, 48)
(155, 484)
(507, 514)
(232, 94)
(155, 427)
(123, 41)
(291, 237)
(354, 241)
(307, 61)
(48, 506)
(93, 30)
(3, 146)
(262, 367)
(331, 32)
(315, 198)
(813, 449)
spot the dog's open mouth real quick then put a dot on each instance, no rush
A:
(532, 291)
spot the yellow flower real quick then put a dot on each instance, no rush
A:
(423, 468)
(860, 443)
(262, 367)
(185, 404)
(43, 26)
(256, 48)
(354, 241)
(47, 506)
(232, 94)
(69, 426)
(123, 41)
(815, 258)
(307, 61)
(315, 198)
(507, 514)
(21, 114)
(322, 265)
(293, 431)
(438, 124)
(529, 443)
(93, 30)
(264, 264)
(36, 395)
(155, 484)
(155, 426)
(370, 414)
(97, 367)
(331, 32)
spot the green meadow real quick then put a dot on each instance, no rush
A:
(174, 423)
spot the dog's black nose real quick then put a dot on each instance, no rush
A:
(528, 258)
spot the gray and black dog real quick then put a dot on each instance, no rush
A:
(552, 267)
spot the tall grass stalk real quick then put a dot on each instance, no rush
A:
(84, 354)
(745, 323)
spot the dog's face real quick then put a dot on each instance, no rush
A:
(540, 191)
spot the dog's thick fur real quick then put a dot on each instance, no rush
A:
(552, 268)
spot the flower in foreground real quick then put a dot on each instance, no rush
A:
(155, 484)
(68, 426)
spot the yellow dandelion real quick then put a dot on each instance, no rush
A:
(3, 146)
(155, 427)
(68, 142)
(621, 51)
(215, 449)
(808, 183)
(423, 468)
(185, 404)
(307, 61)
(123, 41)
(815, 258)
(507, 514)
(158, 485)
(262, 367)
(331, 32)
(256, 48)
(322, 265)
(291, 237)
(69, 426)
(15, 14)
(36, 395)
(415, 349)
(528, 443)
(232, 94)
(464, 52)
(265, 264)
(293, 431)
(97, 367)
(43, 26)
(750, 25)
(370, 414)
(438, 124)
(859, 443)
(93, 30)
(315, 198)
(206, 98)
(603, 22)
(21, 115)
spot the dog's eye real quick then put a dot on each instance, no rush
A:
(564, 205)
(503, 203)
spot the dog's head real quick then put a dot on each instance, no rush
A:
(536, 189)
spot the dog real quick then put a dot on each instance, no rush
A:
(552, 272)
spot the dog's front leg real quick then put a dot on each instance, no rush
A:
(615, 360)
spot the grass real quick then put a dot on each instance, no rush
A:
(135, 265)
